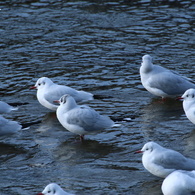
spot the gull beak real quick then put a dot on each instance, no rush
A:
(40, 194)
(56, 101)
(180, 98)
(139, 151)
(33, 87)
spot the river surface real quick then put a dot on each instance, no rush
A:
(94, 46)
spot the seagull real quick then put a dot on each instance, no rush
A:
(162, 82)
(161, 161)
(80, 119)
(53, 189)
(48, 91)
(189, 104)
(179, 183)
(5, 108)
(8, 127)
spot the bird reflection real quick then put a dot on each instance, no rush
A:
(49, 121)
(190, 144)
(157, 114)
(81, 152)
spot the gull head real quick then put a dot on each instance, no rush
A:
(67, 102)
(52, 189)
(146, 65)
(189, 95)
(147, 59)
(42, 82)
(64, 99)
(149, 147)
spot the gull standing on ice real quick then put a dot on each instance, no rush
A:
(162, 82)
(8, 127)
(80, 119)
(189, 104)
(179, 183)
(48, 91)
(161, 161)
(5, 108)
(53, 189)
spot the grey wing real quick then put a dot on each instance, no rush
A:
(170, 83)
(3, 107)
(189, 173)
(55, 92)
(83, 116)
(8, 127)
(184, 77)
(172, 160)
(3, 121)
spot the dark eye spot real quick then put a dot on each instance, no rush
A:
(186, 95)
(39, 84)
(61, 99)
(193, 96)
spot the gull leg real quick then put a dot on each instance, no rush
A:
(82, 138)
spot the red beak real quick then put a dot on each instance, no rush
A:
(33, 87)
(39, 194)
(139, 151)
(56, 101)
(179, 98)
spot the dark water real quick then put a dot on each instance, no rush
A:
(95, 46)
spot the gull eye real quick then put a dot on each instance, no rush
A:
(193, 96)
(39, 84)
(149, 149)
(49, 191)
(62, 99)
(187, 95)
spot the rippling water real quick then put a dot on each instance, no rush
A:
(96, 46)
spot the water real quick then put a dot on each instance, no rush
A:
(96, 46)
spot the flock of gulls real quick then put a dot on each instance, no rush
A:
(177, 170)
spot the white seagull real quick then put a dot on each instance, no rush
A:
(161, 161)
(48, 91)
(162, 82)
(5, 108)
(189, 104)
(8, 127)
(53, 189)
(179, 183)
(80, 119)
